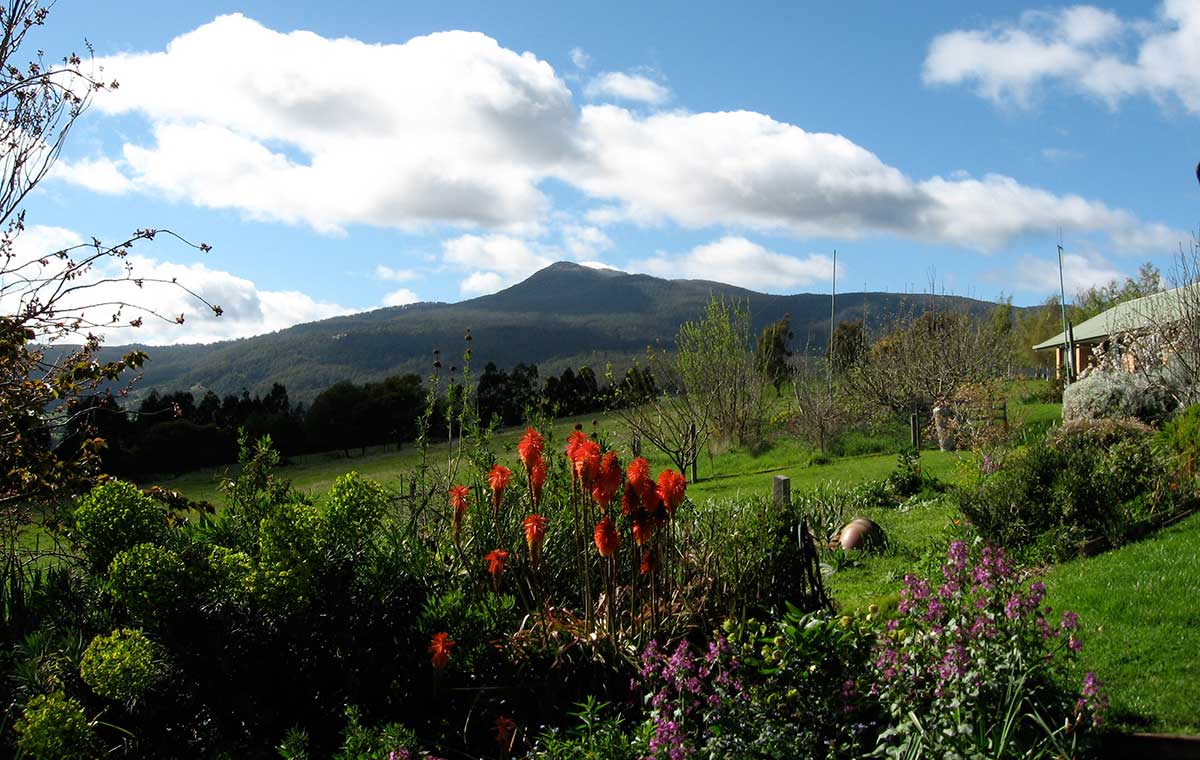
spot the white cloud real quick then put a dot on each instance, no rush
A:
(387, 135)
(247, 310)
(579, 58)
(1084, 48)
(738, 261)
(452, 129)
(384, 272)
(100, 175)
(632, 87)
(493, 261)
(584, 241)
(1040, 275)
(1057, 155)
(400, 297)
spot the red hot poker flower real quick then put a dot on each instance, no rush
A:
(537, 479)
(535, 533)
(672, 487)
(530, 448)
(440, 647)
(496, 559)
(458, 500)
(638, 475)
(574, 441)
(643, 530)
(608, 480)
(498, 478)
(505, 729)
(607, 538)
(647, 564)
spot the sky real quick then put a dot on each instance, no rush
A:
(342, 158)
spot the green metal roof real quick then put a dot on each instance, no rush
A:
(1147, 311)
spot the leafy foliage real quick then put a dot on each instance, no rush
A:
(120, 665)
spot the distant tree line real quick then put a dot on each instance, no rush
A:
(174, 432)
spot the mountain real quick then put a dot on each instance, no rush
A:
(564, 315)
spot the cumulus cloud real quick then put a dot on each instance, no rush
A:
(585, 241)
(618, 85)
(493, 261)
(247, 309)
(453, 131)
(388, 135)
(101, 175)
(579, 58)
(384, 272)
(1083, 48)
(1040, 275)
(400, 297)
(738, 261)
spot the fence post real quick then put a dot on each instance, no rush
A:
(914, 430)
(783, 491)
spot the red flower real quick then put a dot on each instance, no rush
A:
(458, 500)
(647, 561)
(496, 559)
(537, 478)
(584, 454)
(638, 475)
(505, 729)
(530, 448)
(498, 478)
(440, 647)
(535, 532)
(671, 489)
(608, 480)
(643, 530)
(607, 538)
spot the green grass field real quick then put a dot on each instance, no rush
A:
(1141, 620)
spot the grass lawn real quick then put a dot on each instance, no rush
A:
(1141, 619)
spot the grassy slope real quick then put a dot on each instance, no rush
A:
(1142, 622)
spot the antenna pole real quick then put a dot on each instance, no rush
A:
(1063, 306)
(832, 321)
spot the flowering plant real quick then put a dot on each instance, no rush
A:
(975, 666)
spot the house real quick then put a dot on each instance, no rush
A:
(1139, 315)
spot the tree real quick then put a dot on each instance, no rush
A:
(1100, 298)
(714, 362)
(656, 406)
(53, 303)
(849, 344)
(772, 353)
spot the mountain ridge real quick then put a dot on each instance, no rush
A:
(563, 315)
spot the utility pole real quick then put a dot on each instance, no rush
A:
(832, 320)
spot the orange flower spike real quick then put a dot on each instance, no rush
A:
(607, 538)
(643, 531)
(498, 478)
(535, 532)
(629, 500)
(574, 441)
(458, 500)
(608, 480)
(638, 475)
(587, 463)
(647, 564)
(537, 479)
(495, 560)
(440, 647)
(672, 487)
(529, 449)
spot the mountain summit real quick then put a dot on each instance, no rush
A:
(564, 315)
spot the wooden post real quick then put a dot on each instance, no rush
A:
(914, 431)
(783, 491)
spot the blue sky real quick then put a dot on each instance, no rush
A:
(343, 158)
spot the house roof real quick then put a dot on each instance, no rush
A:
(1130, 315)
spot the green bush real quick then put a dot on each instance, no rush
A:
(120, 665)
(54, 727)
(148, 580)
(115, 516)
(1085, 480)
(352, 513)
(1181, 437)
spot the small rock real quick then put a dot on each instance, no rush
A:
(861, 533)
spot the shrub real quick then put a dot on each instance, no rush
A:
(975, 667)
(54, 727)
(352, 513)
(1181, 437)
(115, 516)
(120, 665)
(1107, 394)
(1088, 479)
(148, 580)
